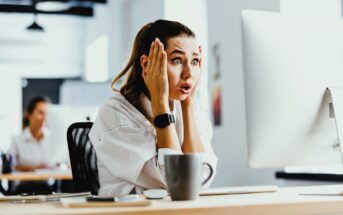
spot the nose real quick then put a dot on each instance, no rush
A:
(186, 72)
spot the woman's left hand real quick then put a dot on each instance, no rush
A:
(191, 98)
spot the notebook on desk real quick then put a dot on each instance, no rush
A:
(239, 190)
(124, 201)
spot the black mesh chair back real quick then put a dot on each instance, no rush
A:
(82, 158)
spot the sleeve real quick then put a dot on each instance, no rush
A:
(13, 151)
(124, 148)
(205, 130)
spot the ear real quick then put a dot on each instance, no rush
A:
(144, 63)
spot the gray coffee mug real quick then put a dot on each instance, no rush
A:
(184, 175)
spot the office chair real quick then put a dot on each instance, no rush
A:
(82, 158)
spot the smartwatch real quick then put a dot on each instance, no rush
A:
(163, 120)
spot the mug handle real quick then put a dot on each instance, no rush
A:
(210, 175)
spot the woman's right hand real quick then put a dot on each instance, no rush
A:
(156, 78)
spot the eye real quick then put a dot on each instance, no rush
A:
(177, 61)
(195, 61)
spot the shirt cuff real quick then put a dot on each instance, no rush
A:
(166, 151)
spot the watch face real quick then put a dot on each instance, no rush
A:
(163, 120)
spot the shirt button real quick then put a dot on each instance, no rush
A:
(100, 139)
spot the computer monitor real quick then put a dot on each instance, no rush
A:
(288, 64)
(60, 117)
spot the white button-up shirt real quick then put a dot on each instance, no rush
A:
(125, 145)
(27, 151)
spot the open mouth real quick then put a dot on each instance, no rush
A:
(186, 88)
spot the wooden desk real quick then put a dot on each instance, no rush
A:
(285, 201)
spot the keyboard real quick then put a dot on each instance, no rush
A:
(239, 190)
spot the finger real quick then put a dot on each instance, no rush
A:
(150, 54)
(197, 84)
(164, 62)
(160, 57)
(155, 54)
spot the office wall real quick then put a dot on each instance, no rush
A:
(312, 8)
(84, 93)
(53, 53)
(229, 140)
(106, 21)
(10, 109)
(137, 13)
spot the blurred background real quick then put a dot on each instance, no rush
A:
(69, 51)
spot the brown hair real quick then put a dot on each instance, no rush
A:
(31, 106)
(134, 84)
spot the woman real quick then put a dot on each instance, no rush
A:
(154, 113)
(30, 149)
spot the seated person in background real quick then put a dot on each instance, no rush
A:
(163, 76)
(29, 149)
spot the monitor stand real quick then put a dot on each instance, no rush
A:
(336, 111)
(335, 96)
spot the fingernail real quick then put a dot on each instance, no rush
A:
(156, 39)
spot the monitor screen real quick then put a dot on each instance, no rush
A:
(60, 117)
(288, 64)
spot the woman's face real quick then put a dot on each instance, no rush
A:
(183, 55)
(38, 116)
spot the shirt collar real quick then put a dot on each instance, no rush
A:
(28, 135)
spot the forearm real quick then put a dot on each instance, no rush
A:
(192, 141)
(166, 137)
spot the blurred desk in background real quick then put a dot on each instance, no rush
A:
(41, 175)
(36, 176)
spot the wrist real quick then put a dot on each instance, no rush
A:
(160, 107)
(187, 105)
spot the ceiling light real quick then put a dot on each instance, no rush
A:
(34, 26)
(52, 6)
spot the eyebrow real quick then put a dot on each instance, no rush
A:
(178, 51)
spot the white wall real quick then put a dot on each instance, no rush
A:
(10, 109)
(312, 8)
(53, 53)
(135, 14)
(83, 93)
(107, 20)
(229, 140)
